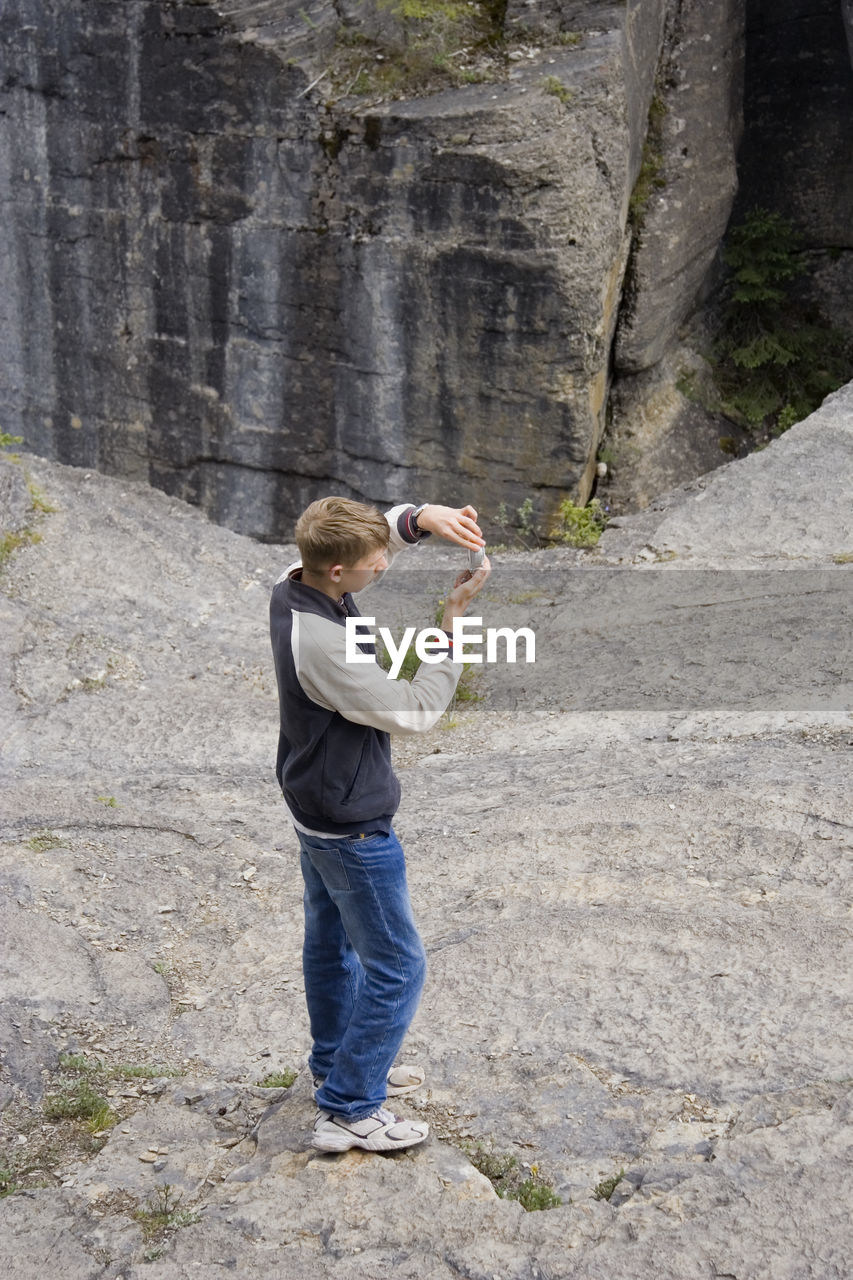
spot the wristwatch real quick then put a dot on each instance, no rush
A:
(413, 517)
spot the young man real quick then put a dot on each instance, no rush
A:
(363, 960)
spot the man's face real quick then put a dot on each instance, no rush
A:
(356, 577)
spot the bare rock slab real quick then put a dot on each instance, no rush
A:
(628, 862)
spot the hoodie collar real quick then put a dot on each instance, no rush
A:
(310, 600)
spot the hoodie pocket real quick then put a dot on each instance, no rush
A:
(352, 786)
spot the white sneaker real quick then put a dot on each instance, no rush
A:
(400, 1080)
(380, 1131)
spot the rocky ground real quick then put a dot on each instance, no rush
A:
(629, 860)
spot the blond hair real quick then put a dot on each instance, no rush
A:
(339, 531)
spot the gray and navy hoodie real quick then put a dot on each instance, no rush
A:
(334, 750)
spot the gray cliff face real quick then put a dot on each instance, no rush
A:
(699, 104)
(793, 156)
(248, 293)
(139, 138)
(224, 276)
(658, 437)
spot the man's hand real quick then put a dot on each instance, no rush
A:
(465, 588)
(454, 524)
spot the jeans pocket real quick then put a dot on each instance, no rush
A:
(329, 865)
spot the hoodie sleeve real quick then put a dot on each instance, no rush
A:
(361, 691)
(400, 523)
(402, 535)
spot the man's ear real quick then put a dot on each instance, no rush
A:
(335, 572)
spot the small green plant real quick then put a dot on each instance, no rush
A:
(80, 1102)
(534, 1195)
(575, 526)
(362, 85)
(525, 597)
(109, 801)
(532, 1191)
(40, 502)
(29, 536)
(650, 178)
(648, 181)
(25, 1168)
(551, 85)
(843, 557)
(527, 519)
(497, 1168)
(11, 542)
(92, 684)
(80, 1064)
(163, 1213)
(127, 1071)
(432, 11)
(578, 526)
(43, 841)
(428, 43)
(685, 384)
(523, 531)
(607, 1186)
(278, 1079)
(466, 690)
(80, 1112)
(409, 665)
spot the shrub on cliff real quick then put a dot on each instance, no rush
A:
(775, 360)
(420, 46)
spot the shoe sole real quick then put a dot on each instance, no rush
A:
(346, 1141)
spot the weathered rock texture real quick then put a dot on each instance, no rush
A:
(796, 155)
(659, 438)
(629, 863)
(246, 290)
(691, 177)
(225, 274)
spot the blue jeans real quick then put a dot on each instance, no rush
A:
(364, 966)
